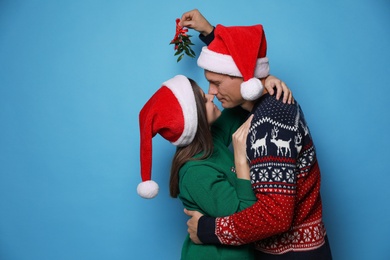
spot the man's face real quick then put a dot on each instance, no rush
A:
(225, 88)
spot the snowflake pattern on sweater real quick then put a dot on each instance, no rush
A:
(285, 177)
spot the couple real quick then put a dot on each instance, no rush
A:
(262, 203)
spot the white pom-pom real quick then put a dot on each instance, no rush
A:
(251, 89)
(147, 189)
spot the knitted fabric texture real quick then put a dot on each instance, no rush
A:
(285, 177)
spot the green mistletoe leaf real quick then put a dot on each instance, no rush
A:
(180, 57)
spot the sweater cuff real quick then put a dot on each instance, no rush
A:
(206, 230)
(207, 39)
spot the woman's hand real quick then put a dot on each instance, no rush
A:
(272, 82)
(192, 224)
(239, 144)
(195, 20)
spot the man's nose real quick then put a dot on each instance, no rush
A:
(213, 90)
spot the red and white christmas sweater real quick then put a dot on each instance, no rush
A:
(285, 177)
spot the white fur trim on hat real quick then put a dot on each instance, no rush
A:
(148, 189)
(217, 62)
(182, 89)
(251, 89)
(224, 64)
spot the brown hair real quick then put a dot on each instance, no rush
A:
(202, 142)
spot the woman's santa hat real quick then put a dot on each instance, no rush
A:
(170, 112)
(238, 51)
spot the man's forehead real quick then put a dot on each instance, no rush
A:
(214, 77)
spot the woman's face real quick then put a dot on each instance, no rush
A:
(212, 110)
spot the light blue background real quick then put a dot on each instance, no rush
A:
(74, 75)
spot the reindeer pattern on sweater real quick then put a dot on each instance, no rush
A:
(285, 177)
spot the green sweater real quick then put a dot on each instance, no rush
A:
(211, 187)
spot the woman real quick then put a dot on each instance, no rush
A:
(205, 175)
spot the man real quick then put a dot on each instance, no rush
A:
(286, 221)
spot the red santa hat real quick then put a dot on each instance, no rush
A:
(172, 113)
(238, 51)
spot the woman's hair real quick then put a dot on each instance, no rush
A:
(202, 142)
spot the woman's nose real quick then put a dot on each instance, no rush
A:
(210, 97)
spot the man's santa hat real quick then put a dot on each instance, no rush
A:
(170, 112)
(238, 51)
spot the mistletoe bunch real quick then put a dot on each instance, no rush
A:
(182, 42)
